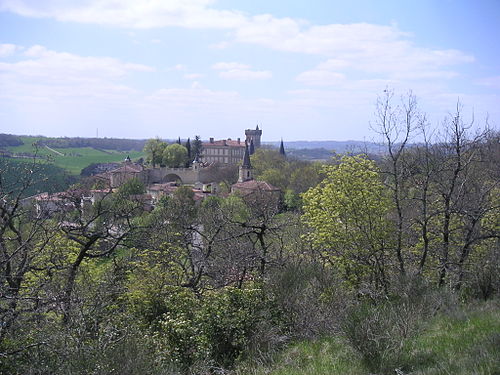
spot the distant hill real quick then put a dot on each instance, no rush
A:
(10, 140)
(324, 150)
(45, 177)
(71, 154)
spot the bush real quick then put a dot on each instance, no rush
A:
(214, 329)
(379, 329)
(310, 299)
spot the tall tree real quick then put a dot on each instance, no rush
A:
(347, 214)
(189, 155)
(174, 155)
(197, 147)
(396, 123)
(154, 151)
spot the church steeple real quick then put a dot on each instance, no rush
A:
(246, 167)
(282, 148)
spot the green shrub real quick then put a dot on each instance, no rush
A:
(380, 328)
(213, 329)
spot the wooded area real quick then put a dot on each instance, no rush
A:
(357, 249)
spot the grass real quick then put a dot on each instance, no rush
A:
(329, 355)
(467, 342)
(74, 159)
(464, 342)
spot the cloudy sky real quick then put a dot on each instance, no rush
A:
(302, 70)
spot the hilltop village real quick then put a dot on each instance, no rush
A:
(218, 162)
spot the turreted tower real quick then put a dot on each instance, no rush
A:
(253, 135)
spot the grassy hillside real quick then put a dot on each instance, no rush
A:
(72, 159)
(463, 342)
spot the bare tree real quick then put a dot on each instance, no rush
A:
(396, 124)
(23, 238)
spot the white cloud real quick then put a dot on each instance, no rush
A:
(193, 76)
(178, 67)
(370, 48)
(229, 66)
(220, 45)
(320, 78)
(493, 82)
(245, 74)
(241, 72)
(128, 13)
(8, 49)
(40, 74)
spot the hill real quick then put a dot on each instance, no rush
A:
(337, 146)
(74, 154)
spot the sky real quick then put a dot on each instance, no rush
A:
(301, 70)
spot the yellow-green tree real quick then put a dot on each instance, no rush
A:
(347, 214)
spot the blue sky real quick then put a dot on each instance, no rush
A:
(301, 70)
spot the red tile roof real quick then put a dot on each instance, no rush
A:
(253, 185)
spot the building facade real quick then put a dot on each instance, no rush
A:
(228, 151)
(225, 151)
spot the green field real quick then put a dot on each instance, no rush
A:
(73, 159)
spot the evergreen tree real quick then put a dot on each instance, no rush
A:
(189, 155)
(196, 147)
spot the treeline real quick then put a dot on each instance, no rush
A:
(366, 251)
(173, 155)
(10, 140)
(118, 144)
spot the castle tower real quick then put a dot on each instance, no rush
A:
(246, 167)
(253, 135)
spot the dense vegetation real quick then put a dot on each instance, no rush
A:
(361, 267)
(9, 140)
(44, 177)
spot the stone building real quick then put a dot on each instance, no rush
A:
(253, 135)
(225, 151)
(228, 151)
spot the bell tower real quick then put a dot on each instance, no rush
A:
(246, 167)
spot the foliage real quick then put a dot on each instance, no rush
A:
(462, 342)
(154, 151)
(10, 140)
(291, 176)
(45, 177)
(370, 274)
(132, 186)
(347, 214)
(213, 328)
(174, 156)
(196, 147)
